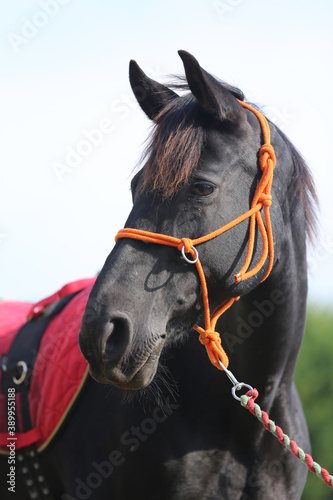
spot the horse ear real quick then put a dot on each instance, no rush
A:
(152, 96)
(214, 97)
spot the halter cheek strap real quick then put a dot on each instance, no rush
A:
(262, 199)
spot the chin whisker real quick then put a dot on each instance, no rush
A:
(156, 393)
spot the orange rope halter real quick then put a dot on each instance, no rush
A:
(262, 198)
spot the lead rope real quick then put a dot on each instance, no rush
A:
(247, 401)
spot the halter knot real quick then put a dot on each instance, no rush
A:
(267, 156)
(212, 341)
(265, 199)
(187, 244)
(208, 336)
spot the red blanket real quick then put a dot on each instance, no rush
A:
(59, 371)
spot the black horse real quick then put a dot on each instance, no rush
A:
(180, 435)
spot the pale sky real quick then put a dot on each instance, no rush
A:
(65, 73)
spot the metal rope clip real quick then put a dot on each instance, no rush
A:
(187, 259)
(236, 385)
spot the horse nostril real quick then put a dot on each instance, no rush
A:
(116, 339)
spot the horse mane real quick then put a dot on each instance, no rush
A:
(174, 148)
(302, 189)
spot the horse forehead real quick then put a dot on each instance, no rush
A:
(227, 147)
(223, 136)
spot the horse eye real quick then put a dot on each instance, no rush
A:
(202, 189)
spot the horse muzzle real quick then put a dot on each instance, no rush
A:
(113, 355)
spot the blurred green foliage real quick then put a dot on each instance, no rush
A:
(314, 381)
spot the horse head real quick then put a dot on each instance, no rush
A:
(201, 171)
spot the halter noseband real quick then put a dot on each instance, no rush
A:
(262, 198)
